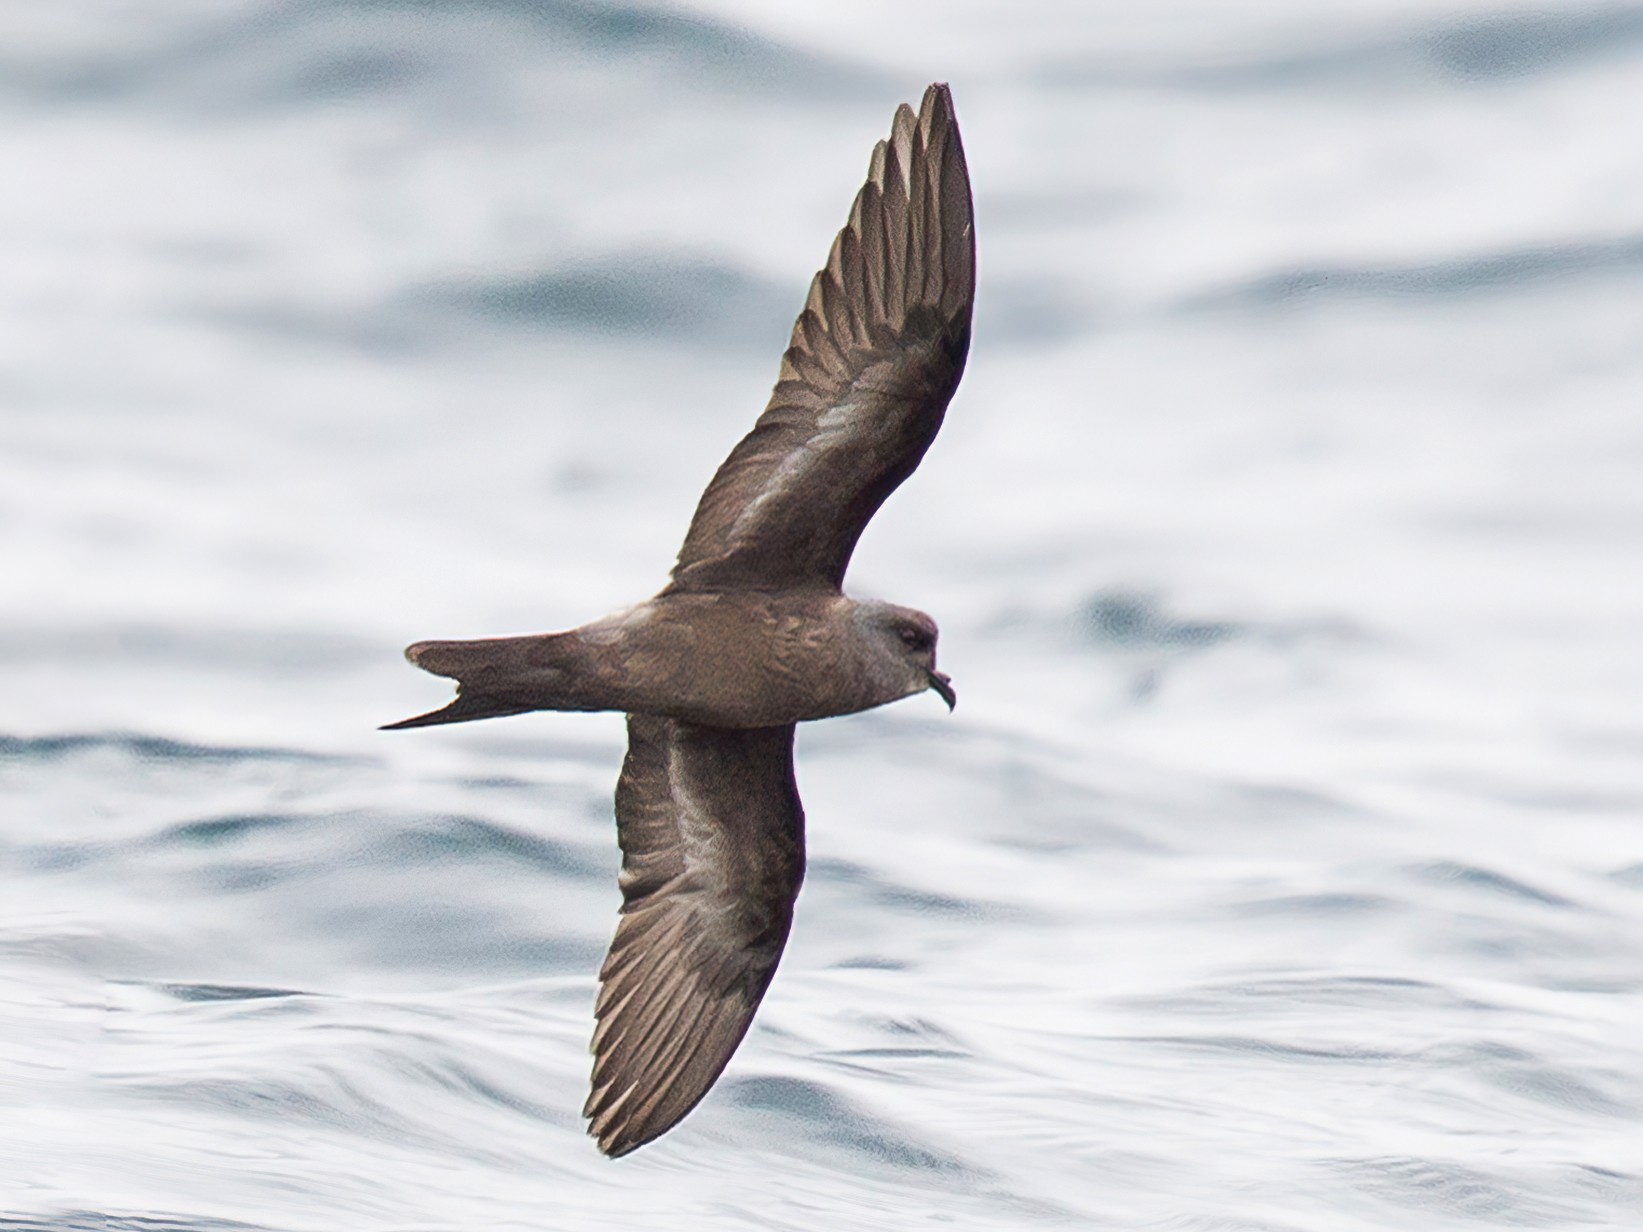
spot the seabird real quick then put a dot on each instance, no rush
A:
(753, 634)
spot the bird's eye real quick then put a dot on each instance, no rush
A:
(915, 639)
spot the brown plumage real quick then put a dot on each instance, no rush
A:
(874, 357)
(712, 855)
(752, 634)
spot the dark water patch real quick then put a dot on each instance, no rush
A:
(1446, 872)
(250, 878)
(1475, 1051)
(1631, 876)
(912, 1039)
(882, 1054)
(99, 1221)
(1253, 1046)
(58, 858)
(914, 1028)
(218, 830)
(1126, 618)
(147, 749)
(1523, 268)
(349, 72)
(239, 853)
(496, 782)
(199, 993)
(812, 1112)
(455, 52)
(1315, 906)
(867, 962)
(1378, 993)
(701, 48)
(1468, 51)
(1513, 45)
(645, 294)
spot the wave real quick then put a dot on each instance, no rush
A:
(297, 53)
(147, 749)
(1510, 269)
(98, 1221)
(1467, 52)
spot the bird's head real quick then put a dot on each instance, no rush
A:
(907, 638)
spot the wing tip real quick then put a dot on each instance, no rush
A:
(902, 282)
(616, 1137)
(925, 212)
(938, 96)
(614, 1147)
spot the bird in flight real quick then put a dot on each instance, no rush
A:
(753, 634)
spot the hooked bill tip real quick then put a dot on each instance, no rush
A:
(942, 683)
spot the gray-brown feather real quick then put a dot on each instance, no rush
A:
(712, 838)
(863, 387)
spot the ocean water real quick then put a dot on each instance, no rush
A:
(1281, 869)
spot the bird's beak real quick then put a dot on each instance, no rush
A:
(942, 683)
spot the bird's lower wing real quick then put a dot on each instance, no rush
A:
(712, 838)
(874, 358)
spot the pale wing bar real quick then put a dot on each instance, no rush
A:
(874, 358)
(712, 837)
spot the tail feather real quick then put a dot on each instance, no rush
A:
(465, 708)
(502, 675)
(466, 661)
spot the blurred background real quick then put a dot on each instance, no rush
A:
(1281, 868)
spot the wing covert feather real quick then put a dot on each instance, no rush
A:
(712, 837)
(874, 358)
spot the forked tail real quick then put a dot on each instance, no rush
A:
(497, 676)
(464, 709)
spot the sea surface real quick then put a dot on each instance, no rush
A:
(1281, 869)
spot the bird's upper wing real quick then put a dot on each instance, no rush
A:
(712, 838)
(874, 358)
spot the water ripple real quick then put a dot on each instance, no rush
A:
(819, 1117)
(1511, 269)
(94, 1221)
(152, 749)
(1446, 872)
(1438, 1187)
